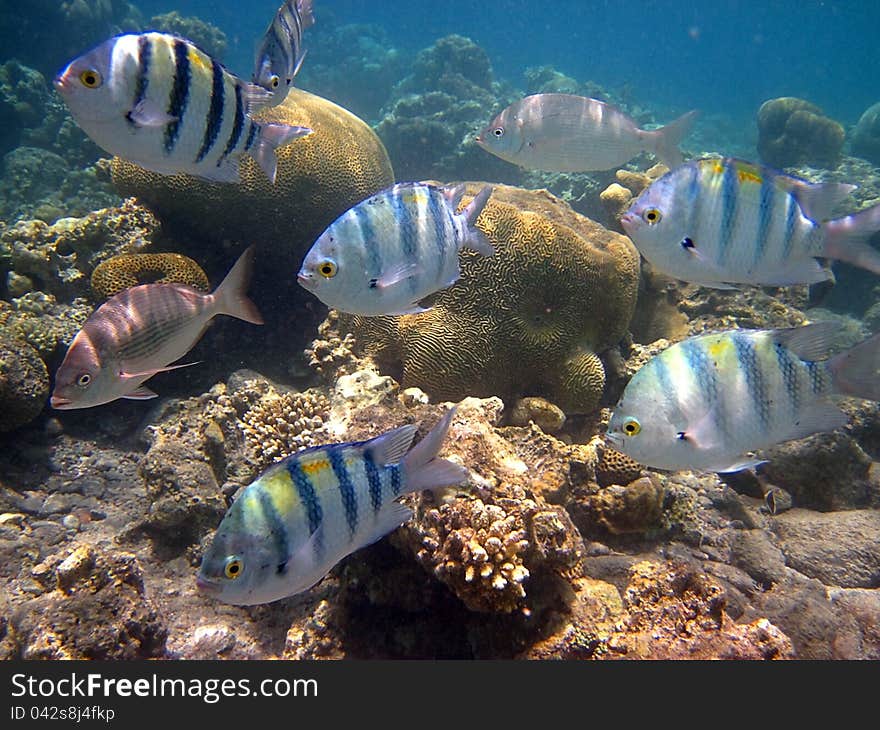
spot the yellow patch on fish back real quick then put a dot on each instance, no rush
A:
(415, 196)
(313, 463)
(748, 173)
(279, 486)
(197, 58)
(721, 347)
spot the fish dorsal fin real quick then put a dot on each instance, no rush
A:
(454, 195)
(817, 200)
(390, 448)
(811, 342)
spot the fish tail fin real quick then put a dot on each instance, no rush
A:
(421, 466)
(270, 138)
(856, 372)
(474, 238)
(846, 239)
(231, 295)
(306, 13)
(667, 139)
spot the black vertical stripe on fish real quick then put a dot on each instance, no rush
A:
(237, 126)
(755, 384)
(437, 209)
(145, 57)
(765, 217)
(346, 487)
(408, 226)
(705, 370)
(179, 93)
(371, 241)
(790, 221)
(787, 367)
(729, 201)
(394, 469)
(277, 528)
(215, 113)
(308, 497)
(251, 135)
(817, 379)
(374, 479)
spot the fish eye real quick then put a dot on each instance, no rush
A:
(652, 216)
(327, 269)
(90, 78)
(233, 568)
(83, 380)
(274, 80)
(631, 426)
(498, 131)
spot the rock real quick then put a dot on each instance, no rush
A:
(792, 131)
(24, 383)
(838, 548)
(865, 138)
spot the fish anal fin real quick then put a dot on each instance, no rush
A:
(142, 393)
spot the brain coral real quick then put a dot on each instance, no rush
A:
(792, 131)
(126, 270)
(528, 320)
(319, 177)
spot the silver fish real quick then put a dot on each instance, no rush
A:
(710, 401)
(391, 250)
(161, 102)
(720, 222)
(566, 133)
(281, 54)
(308, 511)
(138, 332)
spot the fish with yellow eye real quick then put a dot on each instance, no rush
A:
(281, 54)
(163, 103)
(305, 513)
(393, 249)
(721, 222)
(707, 403)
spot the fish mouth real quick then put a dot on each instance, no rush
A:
(208, 587)
(305, 281)
(627, 219)
(615, 439)
(56, 401)
(61, 82)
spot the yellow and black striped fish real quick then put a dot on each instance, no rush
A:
(308, 511)
(281, 54)
(160, 101)
(710, 401)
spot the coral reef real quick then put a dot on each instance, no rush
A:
(319, 177)
(548, 417)
(58, 259)
(24, 382)
(91, 605)
(617, 196)
(355, 65)
(205, 35)
(126, 270)
(528, 320)
(430, 122)
(614, 467)
(865, 137)
(792, 131)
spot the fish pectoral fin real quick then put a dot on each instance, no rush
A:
(397, 274)
(414, 309)
(142, 393)
(150, 373)
(305, 565)
(149, 114)
(390, 517)
(703, 434)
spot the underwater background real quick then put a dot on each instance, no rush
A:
(558, 546)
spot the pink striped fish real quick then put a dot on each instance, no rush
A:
(566, 133)
(138, 332)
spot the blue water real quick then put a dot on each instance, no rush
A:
(725, 57)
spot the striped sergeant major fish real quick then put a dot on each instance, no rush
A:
(139, 331)
(163, 103)
(306, 512)
(721, 222)
(280, 53)
(567, 133)
(391, 250)
(710, 401)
